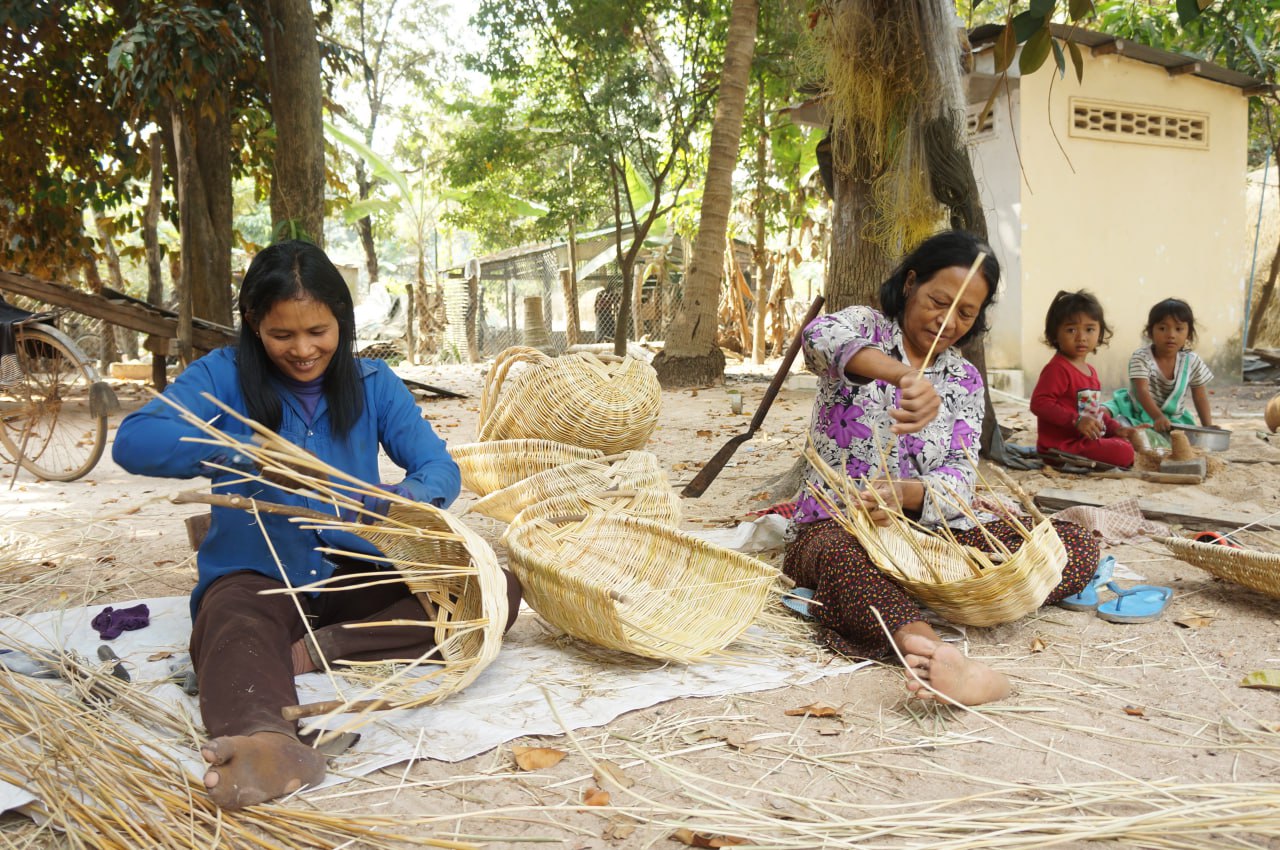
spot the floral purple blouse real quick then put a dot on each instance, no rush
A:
(850, 422)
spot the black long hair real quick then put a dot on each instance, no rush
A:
(1067, 304)
(1176, 309)
(938, 252)
(286, 270)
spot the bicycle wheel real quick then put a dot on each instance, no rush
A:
(48, 421)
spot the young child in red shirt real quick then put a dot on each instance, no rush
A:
(1067, 400)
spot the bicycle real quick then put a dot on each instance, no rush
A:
(53, 407)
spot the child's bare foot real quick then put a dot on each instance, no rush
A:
(249, 769)
(948, 671)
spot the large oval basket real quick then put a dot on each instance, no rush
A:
(626, 471)
(597, 402)
(1255, 570)
(493, 465)
(638, 586)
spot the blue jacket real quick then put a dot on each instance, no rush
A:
(150, 442)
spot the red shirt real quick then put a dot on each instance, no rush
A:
(1062, 395)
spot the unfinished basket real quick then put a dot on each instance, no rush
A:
(637, 586)
(1255, 570)
(582, 399)
(660, 505)
(626, 471)
(500, 463)
(966, 585)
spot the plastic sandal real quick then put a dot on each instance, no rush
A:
(798, 600)
(1087, 599)
(1141, 603)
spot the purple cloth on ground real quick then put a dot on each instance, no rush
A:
(110, 622)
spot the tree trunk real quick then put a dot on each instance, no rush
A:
(759, 253)
(1258, 318)
(856, 265)
(364, 226)
(293, 69)
(151, 224)
(691, 356)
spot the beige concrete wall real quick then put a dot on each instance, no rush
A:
(992, 153)
(1133, 222)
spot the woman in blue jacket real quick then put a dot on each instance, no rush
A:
(295, 372)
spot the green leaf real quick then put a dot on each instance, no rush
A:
(358, 210)
(1077, 59)
(1188, 11)
(1058, 58)
(1006, 48)
(1078, 9)
(1043, 8)
(1269, 679)
(381, 167)
(1026, 24)
(1035, 51)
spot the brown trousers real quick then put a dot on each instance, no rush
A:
(241, 641)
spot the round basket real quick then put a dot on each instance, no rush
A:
(637, 586)
(500, 463)
(626, 471)
(599, 402)
(657, 505)
(1255, 570)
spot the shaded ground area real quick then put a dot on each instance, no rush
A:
(1139, 734)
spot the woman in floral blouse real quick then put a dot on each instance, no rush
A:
(873, 408)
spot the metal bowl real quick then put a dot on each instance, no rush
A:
(1209, 439)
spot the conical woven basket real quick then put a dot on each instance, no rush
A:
(581, 399)
(637, 586)
(493, 465)
(1255, 570)
(966, 585)
(626, 471)
(658, 505)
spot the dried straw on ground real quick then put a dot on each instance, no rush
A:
(450, 568)
(496, 464)
(79, 749)
(625, 471)
(581, 399)
(966, 585)
(637, 586)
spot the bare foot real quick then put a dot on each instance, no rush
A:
(249, 769)
(948, 671)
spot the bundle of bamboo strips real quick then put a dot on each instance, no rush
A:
(450, 568)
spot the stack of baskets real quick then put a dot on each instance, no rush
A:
(593, 532)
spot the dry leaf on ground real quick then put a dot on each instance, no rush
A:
(537, 758)
(595, 797)
(1037, 645)
(606, 772)
(742, 741)
(702, 839)
(618, 830)
(706, 434)
(1269, 679)
(1134, 711)
(814, 709)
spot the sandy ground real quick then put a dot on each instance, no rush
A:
(1136, 733)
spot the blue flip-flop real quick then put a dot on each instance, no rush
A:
(798, 600)
(1141, 603)
(1087, 599)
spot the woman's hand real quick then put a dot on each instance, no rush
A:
(918, 405)
(1090, 428)
(1162, 424)
(882, 496)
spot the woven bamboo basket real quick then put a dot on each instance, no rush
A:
(637, 586)
(966, 585)
(659, 505)
(490, 466)
(1255, 570)
(625, 471)
(581, 399)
